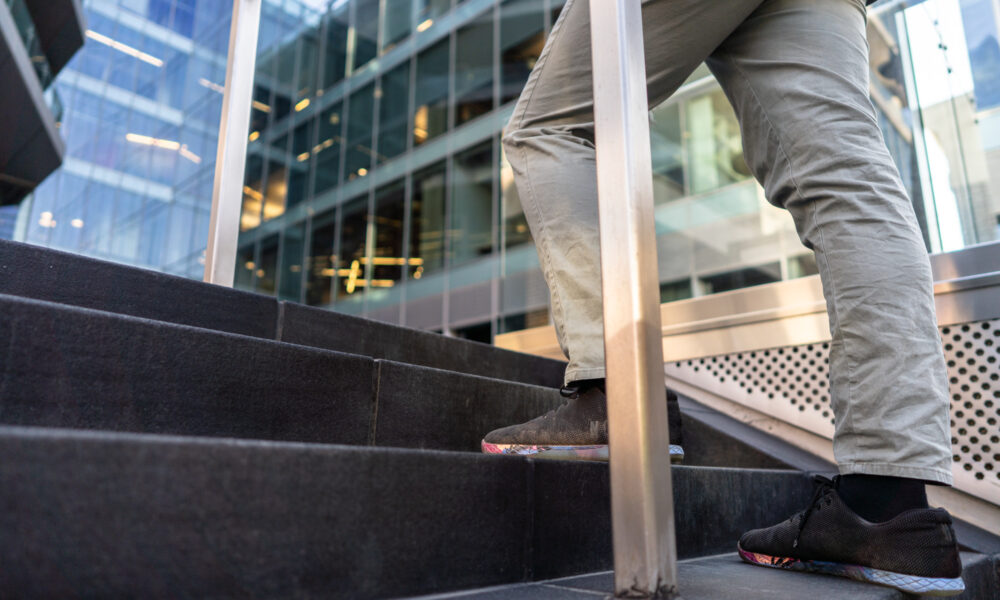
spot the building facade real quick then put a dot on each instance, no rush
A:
(142, 103)
(376, 183)
(37, 39)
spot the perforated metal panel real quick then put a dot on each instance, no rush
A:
(792, 384)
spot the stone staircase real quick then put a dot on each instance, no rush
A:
(161, 437)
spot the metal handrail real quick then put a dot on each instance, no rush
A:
(642, 510)
(645, 551)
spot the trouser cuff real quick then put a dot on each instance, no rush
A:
(890, 470)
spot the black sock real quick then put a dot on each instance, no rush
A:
(878, 498)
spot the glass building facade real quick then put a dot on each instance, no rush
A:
(141, 107)
(376, 183)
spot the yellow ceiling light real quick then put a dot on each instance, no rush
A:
(77, 223)
(124, 48)
(425, 25)
(191, 156)
(362, 172)
(211, 85)
(302, 105)
(254, 136)
(146, 140)
(261, 106)
(302, 157)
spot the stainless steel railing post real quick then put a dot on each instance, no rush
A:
(641, 496)
(227, 193)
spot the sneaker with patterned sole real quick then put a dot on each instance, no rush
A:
(914, 552)
(577, 430)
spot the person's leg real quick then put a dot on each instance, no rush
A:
(796, 72)
(549, 142)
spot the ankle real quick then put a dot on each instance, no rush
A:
(879, 498)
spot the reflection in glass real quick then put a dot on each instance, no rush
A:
(322, 261)
(724, 282)
(431, 115)
(366, 32)
(474, 69)
(267, 270)
(327, 150)
(352, 267)
(427, 221)
(393, 114)
(522, 36)
(470, 234)
(667, 152)
(292, 246)
(253, 193)
(245, 268)
(359, 132)
(714, 143)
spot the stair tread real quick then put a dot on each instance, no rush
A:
(29, 271)
(723, 577)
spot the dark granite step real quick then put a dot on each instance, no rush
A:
(39, 273)
(96, 514)
(726, 577)
(85, 369)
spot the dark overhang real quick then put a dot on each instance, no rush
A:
(60, 27)
(30, 146)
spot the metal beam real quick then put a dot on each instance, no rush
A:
(641, 495)
(227, 193)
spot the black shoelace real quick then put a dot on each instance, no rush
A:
(824, 487)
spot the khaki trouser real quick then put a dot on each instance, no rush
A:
(796, 72)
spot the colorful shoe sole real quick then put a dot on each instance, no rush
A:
(927, 586)
(598, 452)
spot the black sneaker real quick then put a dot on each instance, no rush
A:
(914, 552)
(577, 430)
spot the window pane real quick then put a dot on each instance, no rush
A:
(427, 221)
(293, 244)
(431, 115)
(522, 36)
(351, 264)
(244, 269)
(268, 268)
(305, 85)
(321, 259)
(393, 113)
(366, 32)
(335, 47)
(253, 193)
(298, 178)
(327, 150)
(275, 190)
(359, 133)
(471, 230)
(389, 211)
(514, 223)
(474, 69)
(398, 16)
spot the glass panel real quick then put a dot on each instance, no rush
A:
(253, 193)
(668, 153)
(305, 85)
(275, 191)
(388, 261)
(359, 133)
(428, 10)
(321, 260)
(244, 269)
(675, 290)
(335, 46)
(327, 150)
(398, 16)
(714, 143)
(522, 36)
(431, 115)
(352, 264)
(293, 244)
(724, 282)
(474, 69)
(471, 229)
(298, 178)
(393, 113)
(366, 32)
(267, 270)
(427, 221)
